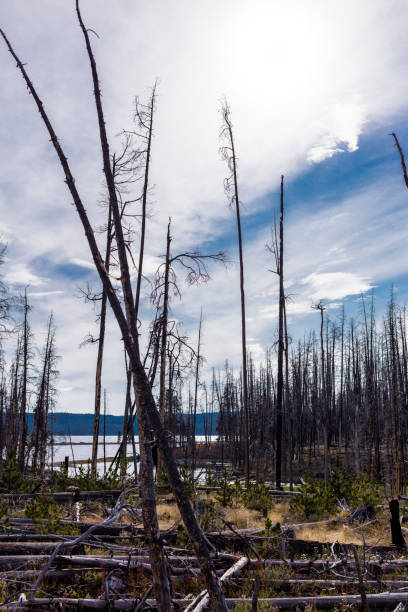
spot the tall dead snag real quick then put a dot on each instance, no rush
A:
(101, 343)
(22, 432)
(163, 343)
(231, 189)
(394, 394)
(279, 391)
(197, 373)
(393, 350)
(143, 393)
(149, 513)
(324, 410)
(276, 248)
(144, 118)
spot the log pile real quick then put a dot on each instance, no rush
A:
(107, 567)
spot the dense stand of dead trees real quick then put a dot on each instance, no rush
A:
(27, 387)
(346, 397)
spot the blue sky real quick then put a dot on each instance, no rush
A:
(314, 87)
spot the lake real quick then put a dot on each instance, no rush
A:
(78, 449)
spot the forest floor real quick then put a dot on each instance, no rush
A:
(293, 555)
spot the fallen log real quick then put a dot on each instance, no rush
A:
(329, 523)
(125, 564)
(63, 497)
(294, 545)
(35, 548)
(12, 562)
(202, 600)
(83, 526)
(374, 601)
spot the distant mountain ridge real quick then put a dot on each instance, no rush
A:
(69, 423)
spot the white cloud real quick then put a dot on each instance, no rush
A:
(82, 263)
(335, 285)
(42, 294)
(20, 274)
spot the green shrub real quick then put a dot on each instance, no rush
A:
(257, 497)
(12, 480)
(45, 513)
(320, 499)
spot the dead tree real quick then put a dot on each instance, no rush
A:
(402, 159)
(22, 433)
(276, 248)
(144, 117)
(166, 284)
(163, 343)
(197, 371)
(231, 189)
(101, 343)
(128, 327)
(44, 402)
(323, 398)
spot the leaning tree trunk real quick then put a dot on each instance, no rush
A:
(127, 324)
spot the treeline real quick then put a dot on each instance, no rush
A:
(345, 397)
(27, 385)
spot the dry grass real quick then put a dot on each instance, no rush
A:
(244, 518)
(374, 532)
(349, 534)
(167, 514)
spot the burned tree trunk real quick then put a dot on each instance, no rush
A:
(163, 343)
(279, 392)
(197, 370)
(101, 343)
(231, 184)
(396, 532)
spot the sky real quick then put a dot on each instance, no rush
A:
(315, 88)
